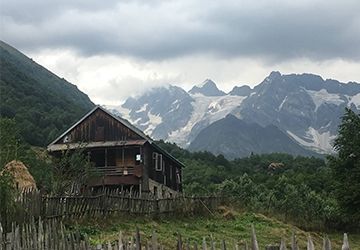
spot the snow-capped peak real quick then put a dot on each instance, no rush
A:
(207, 88)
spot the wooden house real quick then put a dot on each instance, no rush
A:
(123, 155)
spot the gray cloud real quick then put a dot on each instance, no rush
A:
(160, 30)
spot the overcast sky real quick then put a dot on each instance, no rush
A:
(114, 49)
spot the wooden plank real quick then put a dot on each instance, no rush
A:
(254, 243)
(138, 240)
(1, 238)
(345, 245)
(204, 246)
(326, 243)
(179, 242)
(282, 244)
(154, 243)
(294, 245)
(310, 244)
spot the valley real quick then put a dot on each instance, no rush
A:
(262, 146)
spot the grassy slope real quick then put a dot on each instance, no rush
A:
(268, 230)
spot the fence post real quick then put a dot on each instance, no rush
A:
(294, 245)
(179, 242)
(310, 244)
(326, 243)
(223, 245)
(254, 243)
(345, 245)
(157, 209)
(282, 244)
(138, 242)
(1, 237)
(187, 247)
(204, 244)
(120, 241)
(154, 244)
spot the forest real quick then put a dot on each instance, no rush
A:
(41, 103)
(312, 193)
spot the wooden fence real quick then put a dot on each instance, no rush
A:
(34, 205)
(52, 235)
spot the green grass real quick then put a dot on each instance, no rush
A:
(232, 230)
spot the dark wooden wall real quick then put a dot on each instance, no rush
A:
(100, 126)
(168, 175)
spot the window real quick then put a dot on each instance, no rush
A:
(158, 161)
(178, 178)
(98, 157)
(111, 157)
(138, 159)
(171, 172)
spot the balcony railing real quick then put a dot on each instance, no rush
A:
(120, 170)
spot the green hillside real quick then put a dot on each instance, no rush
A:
(42, 104)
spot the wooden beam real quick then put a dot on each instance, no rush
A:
(106, 157)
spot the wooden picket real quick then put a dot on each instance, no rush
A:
(34, 205)
(37, 225)
(51, 234)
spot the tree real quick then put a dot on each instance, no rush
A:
(347, 144)
(346, 165)
(72, 171)
(7, 198)
(10, 144)
(13, 147)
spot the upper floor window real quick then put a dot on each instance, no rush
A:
(138, 159)
(158, 161)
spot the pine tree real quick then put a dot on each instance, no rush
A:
(346, 165)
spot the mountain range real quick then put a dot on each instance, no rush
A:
(295, 113)
(305, 108)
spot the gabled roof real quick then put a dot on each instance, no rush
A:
(122, 121)
(60, 147)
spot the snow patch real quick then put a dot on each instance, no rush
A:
(142, 109)
(322, 96)
(320, 142)
(136, 121)
(200, 85)
(355, 100)
(119, 111)
(219, 107)
(282, 103)
(154, 121)
(175, 108)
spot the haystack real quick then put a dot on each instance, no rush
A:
(23, 180)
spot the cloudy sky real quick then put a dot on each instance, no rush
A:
(113, 49)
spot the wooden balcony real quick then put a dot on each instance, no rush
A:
(121, 170)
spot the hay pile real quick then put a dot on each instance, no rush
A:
(227, 212)
(23, 180)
